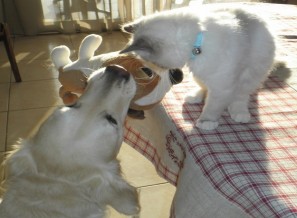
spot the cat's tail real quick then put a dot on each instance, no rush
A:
(280, 69)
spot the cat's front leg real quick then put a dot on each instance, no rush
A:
(212, 110)
(239, 111)
(196, 96)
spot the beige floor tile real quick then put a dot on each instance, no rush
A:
(4, 96)
(1, 168)
(23, 123)
(34, 94)
(3, 123)
(137, 169)
(155, 202)
(1, 161)
(126, 35)
(37, 70)
(76, 39)
(5, 71)
(3, 54)
(112, 42)
(38, 47)
(1, 173)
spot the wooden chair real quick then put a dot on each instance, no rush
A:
(6, 38)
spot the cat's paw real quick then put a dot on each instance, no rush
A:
(241, 117)
(239, 112)
(195, 97)
(207, 124)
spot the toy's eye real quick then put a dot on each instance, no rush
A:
(111, 119)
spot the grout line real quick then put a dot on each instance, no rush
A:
(6, 132)
(36, 80)
(8, 112)
(44, 107)
(152, 185)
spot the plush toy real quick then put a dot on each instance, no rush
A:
(151, 87)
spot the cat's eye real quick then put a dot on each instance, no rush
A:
(111, 119)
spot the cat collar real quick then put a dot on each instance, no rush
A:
(197, 45)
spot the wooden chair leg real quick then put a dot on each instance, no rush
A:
(10, 53)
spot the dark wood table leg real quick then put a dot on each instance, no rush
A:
(9, 50)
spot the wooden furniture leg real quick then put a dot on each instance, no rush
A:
(5, 36)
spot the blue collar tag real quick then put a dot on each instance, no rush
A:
(197, 45)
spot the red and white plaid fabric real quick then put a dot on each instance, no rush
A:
(253, 165)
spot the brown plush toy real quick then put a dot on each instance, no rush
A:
(73, 81)
(151, 87)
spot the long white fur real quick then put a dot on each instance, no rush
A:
(237, 54)
(69, 168)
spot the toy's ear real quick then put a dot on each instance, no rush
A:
(60, 56)
(88, 46)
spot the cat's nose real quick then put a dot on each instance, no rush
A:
(118, 71)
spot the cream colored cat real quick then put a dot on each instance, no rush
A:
(233, 53)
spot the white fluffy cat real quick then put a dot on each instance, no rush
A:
(237, 52)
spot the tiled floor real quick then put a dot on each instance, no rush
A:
(23, 107)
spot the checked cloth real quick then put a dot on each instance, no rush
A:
(252, 165)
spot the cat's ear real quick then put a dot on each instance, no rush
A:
(139, 45)
(129, 28)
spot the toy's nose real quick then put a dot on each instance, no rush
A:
(176, 76)
(118, 71)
